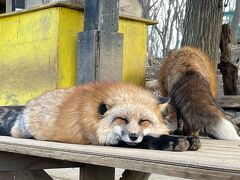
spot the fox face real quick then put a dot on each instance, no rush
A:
(130, 122)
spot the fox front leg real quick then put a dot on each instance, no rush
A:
(180, 123)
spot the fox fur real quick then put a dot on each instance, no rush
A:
(95, 113)
(189, 77)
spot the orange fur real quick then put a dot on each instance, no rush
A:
(186, 59)
(71, 115)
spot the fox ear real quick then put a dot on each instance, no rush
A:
(163, 102)
(102, 108)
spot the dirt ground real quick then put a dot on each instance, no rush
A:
(73, 174)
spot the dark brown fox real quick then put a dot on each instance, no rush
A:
(189, 77)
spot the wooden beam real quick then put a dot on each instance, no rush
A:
(86, 56)
(101, 15)
(25, 175)
(92, 172)
(100, 46)
(217, 159)
(232, 102)
(16, 162)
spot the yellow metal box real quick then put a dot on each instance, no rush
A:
(38, 51)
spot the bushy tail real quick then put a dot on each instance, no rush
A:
(195, 105)
(8, 116)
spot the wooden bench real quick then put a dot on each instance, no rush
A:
(25, 159)
(217, 159)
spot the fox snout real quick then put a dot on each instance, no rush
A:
(133, 136)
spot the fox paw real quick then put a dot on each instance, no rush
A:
(194, 143)
(166, 143)
(175, 143)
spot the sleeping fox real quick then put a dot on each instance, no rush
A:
(101, 113)
(189, 78)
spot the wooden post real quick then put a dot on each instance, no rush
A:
(134, 175)
(99, 57)
(227, 68)
(92, 172)
(100, 46)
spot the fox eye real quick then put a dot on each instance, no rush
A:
(123, 119)
(144, 122)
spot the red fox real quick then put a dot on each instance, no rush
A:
(95, 113)
(189, 78)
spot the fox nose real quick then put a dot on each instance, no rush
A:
(133, 136)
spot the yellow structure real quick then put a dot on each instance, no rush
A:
(38, 51)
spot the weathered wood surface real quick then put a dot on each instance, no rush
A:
(229, 102)
(101, 15)
(217, 159)
(100, 46)
(20, 162)
(25, 175)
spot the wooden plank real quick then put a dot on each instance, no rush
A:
(110, 56)
(92, 172)
(86, 56)
(14, 162)
(101, 15)
(69, 5)
(183, 164)
(25, 175)
(98, 54)
(100, 47)
(229, 102)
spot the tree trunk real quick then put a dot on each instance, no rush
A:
(235, 22)
(202, 25)
(224, 45)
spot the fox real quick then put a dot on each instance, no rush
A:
(189, 78)
(99, 113)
